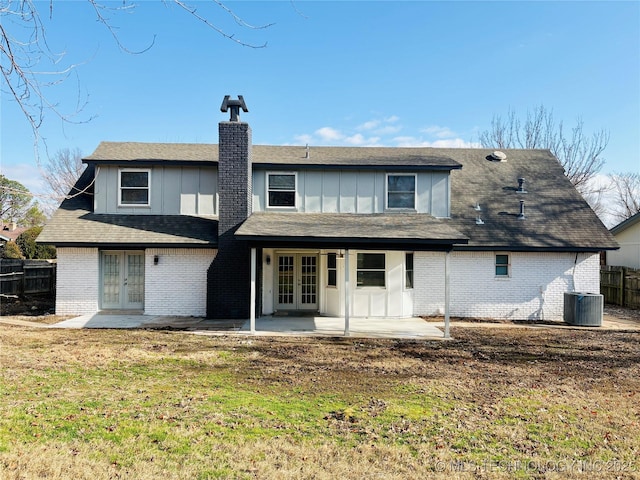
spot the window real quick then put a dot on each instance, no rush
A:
(281, 190)
(401, 191)
(408, 270)
(371, 270)
(503, 267)
(134, 187)
(332, 270)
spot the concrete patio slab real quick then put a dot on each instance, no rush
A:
(99, 320)
(267, 325)
(334, 327)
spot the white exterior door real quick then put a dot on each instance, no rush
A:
(122, 280)
(296, 281)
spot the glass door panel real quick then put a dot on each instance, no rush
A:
(297, 282)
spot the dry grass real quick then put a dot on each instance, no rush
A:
(493, 403)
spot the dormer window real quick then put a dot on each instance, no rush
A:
(401, 191)
(134, 187)
(281, 190)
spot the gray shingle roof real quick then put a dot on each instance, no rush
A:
(268, 155)
(557, 218)
(398, 228)
(74, 224)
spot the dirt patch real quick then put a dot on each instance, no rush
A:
(33, 305)
(498, 402)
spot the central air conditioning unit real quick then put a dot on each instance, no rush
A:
(583, 309)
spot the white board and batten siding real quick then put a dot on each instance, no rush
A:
(393, 300)
(354, 191)
(173, 191)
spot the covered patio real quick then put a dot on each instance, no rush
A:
(288, 237)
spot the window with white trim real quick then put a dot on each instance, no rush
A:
(134, 187)
(371, 271)
(503, 265)
(332, 269)
(401, 191)
(281, 190)
(408, 270)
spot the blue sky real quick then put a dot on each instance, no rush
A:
(336, 73)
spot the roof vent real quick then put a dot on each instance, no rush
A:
(477, 208)
(521, 188)
(521, 215)
(479, 221)
(499, 156)
(306, 153)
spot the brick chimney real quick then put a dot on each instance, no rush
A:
(229, 277)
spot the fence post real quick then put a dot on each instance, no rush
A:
(623, 285)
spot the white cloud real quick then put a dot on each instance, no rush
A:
(361, 141)
(444, 143)
(329, 134)
(381, 127)
(439, 132)
(305, 139)
(388, 130)
(370, 125)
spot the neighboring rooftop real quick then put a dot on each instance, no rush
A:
(629, 222)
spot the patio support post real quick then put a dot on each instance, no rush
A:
(447, 290)
(347, 293)
(252, 305)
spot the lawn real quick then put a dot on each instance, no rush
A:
(500, 402)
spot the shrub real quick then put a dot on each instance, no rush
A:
(11, 250)
(32, 249)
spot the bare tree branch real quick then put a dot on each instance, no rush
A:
(626, 188)
(25, 55)
(61, 172)
(580, 155)
(193, 11)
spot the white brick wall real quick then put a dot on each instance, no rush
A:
(77, 284)
(178, 284)
(534, 290)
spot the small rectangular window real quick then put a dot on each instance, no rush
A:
(503, 267)
(134, 187)
(332, 270)
(401, 191)
(281, 189)
(371, 270)
(408, 268)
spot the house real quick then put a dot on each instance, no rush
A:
(9, 233)
(627, 233)
(235, 230)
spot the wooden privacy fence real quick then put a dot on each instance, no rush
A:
(21, 277)
(620, 285)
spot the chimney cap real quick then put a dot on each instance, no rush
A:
(235, 106)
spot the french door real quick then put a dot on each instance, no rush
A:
(297, 281)
(122, 280)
